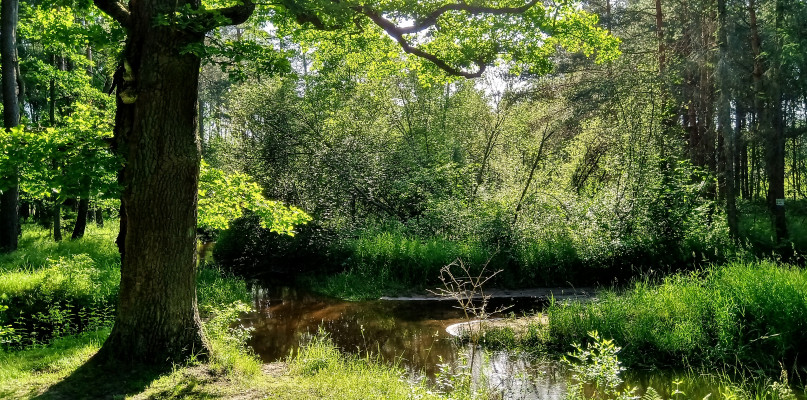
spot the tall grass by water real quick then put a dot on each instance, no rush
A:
(752, 316)
(396, 261)
(393, 262)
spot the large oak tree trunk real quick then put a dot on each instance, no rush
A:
(155, 130)
(9, 200)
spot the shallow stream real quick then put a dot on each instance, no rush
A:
(412, 334)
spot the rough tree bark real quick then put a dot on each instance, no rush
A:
(155, 133)
(9, 200)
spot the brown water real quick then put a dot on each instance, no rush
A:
(412, 334)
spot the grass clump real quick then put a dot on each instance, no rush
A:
(327, 373)
(597, 373)
(388, 262)
(50, 289)
(751, 315)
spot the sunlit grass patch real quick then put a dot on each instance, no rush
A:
(36, 246)
(327, 373)
(24, 373)
(749, 314)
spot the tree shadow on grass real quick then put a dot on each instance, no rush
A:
(98, 379)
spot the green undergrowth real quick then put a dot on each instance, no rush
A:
(392, 262)
(328, 373)
(56, 362)
(388, 262)
(51, 289)
(756, 230)
(748, 317)
(596, 372)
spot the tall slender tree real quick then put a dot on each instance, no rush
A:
(724, 119)
(9, 200)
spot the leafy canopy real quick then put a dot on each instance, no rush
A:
(224, 196)
(434, 37)
(65, 161)
(460, 38)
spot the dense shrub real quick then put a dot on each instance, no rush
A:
(248, 249)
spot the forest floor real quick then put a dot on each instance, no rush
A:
(64, 370)
(56, 302)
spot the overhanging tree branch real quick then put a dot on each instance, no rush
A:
(114, 9)
(237, 14)
(431, 19)
(398, 34)
(207, 20)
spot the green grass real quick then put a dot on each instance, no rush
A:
(36, 246)
(87, 270)
(752, 316)
(51, 289)
(390, 262)
(757, 233)
(329, 374)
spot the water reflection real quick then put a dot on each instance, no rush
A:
(412, 334)
(409, 333)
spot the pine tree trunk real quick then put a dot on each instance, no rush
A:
(9, 200)
(724, 122)
(767, 102)
(776, 152)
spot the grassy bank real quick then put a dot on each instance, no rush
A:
(576, 247)
(66, 291)
(318, 371)
(380, 263)
(383, 256)
(752, 314)
(740, 316)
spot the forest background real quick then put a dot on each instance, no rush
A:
(586, 165)
(668, 157)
